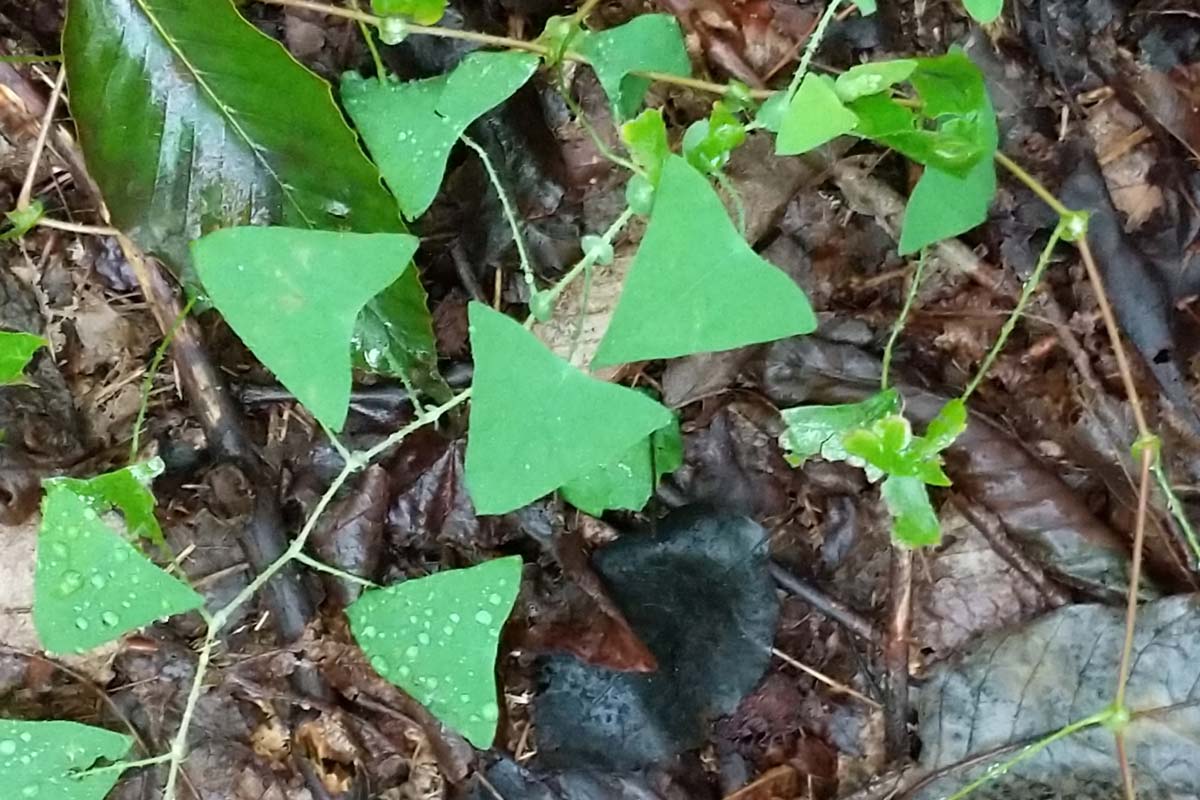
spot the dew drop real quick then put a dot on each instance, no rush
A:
(70, 583)
(404, 671)
(369, 632)
(455, 618)
(98, 581)
(494, 599)
(423, 638)
(448, 630)
(8, 747)
(431, 682)
(81, 623)
(26, 737)
(30, 791)
(483, 617)
(380, 665)
(59, 549)
(110, 619)
(412, 652)
(120, 555)
(491, 711)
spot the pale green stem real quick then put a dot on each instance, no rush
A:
(510, 213)
(321, 566)
(589, 258)
(810, 49)
(179, 745)
(121, 766)
(901, 320)
(1010, 323)
(1030, 750)
(29, 59)
(1176, 508)
(148, 382)
(601, 147)
(369, 37)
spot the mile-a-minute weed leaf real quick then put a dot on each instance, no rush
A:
(39, 760)
(647, 43)
(293, 295)
(16, 351)
(436, 638)
(90, 585)
(127, 490)
(411, 126)
(695, 285)
(628, 482)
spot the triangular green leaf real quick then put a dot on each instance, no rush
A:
(814, 117)
(436, 638)
(984, 11)
(647, 43)
(866, 7)
(38, 760)
(16, 351)
(410, 127)
(695, 285)
(536, 421)
(873, 78)
(914, 522)
(293, 295)
(627, 482)
(126, 489)
(91, 585)
(944, 205)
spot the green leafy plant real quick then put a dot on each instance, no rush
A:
(16, 351)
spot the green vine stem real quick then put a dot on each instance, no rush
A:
(1010, 323)
(510, 213)
(909, 298)
(589, 258)
(810, 49)
(1030, 750)
(295, 552)
(1175, 506)
(148, 382)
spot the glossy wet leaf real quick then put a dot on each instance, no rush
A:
(697, 591)
(984, 10)
(292, 296)
(536, 421)
(709, 143)
(914, 522)
(422, 12)
(646, 139)
(91, 586)
(818, 430)
(411, 126)
(647, 43)
(437, 637)
(1023, 683)
(695, 285)
(127, 490)
(16, 351)
(813, 117)
(38, 760)
(628, 482)
(191, 119)
(872, 78)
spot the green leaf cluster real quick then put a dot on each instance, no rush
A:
(874, 434)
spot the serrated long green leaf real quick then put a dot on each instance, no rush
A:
(191, 119)
(90, 585)
(126, 489)
(293, 295)
(436, 638)
(410, 127)
(16, 351)
(695, 285)
(38, 759)
(536, 421)
(647, 43)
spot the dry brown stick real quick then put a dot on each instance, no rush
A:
(895, 653)
(834, 609)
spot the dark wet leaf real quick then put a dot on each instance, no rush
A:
(191, 120)
(698, 593)
(1022, 684)
(350, 534)
(430, 508)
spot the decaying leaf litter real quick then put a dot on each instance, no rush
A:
(731, 617)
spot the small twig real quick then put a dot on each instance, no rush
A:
(895, 653)
(40, 144)
(75, 227)
(321, 566)
(834, 609)
(1033, 184)
(837, 686)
